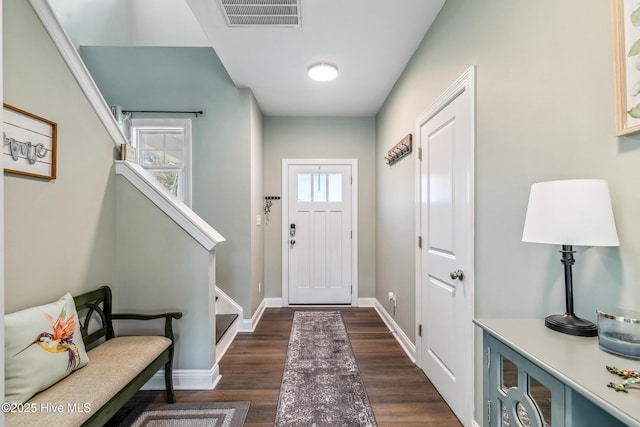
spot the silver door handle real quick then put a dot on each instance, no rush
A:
(456, 275)
(292, 241)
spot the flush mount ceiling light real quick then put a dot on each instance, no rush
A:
(322, 72)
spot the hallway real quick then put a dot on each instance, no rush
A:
(399, 392)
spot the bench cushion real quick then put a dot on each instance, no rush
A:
(112, 366)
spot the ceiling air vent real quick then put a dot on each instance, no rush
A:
(261, 13)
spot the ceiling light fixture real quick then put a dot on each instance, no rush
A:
(322, 72)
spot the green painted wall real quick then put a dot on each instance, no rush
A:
(192, 79)
(2, 245)
(59, 234)
(544, 111)
(175, 278)
(326, 137)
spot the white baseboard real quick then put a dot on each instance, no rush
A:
(273, 302)
(249, 325)
(366, 302)
(277, 302)
(186, 379)
(398, 333)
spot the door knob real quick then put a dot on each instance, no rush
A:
(456, 275)
(292, 241)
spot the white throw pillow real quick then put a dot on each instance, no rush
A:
(42, 345)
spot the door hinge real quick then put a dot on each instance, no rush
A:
(351, 234)
(488, 358)
(420, 242)
(351, 179)
(419, 330)
(419, 153)
(489, 411)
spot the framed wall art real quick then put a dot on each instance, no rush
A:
(626, 64)
(29, 144)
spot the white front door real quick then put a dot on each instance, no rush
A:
(318, 234)
(445, 270)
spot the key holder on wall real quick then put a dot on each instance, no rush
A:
(268, 202)
(399, 150)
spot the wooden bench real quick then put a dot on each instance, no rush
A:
(118, 367)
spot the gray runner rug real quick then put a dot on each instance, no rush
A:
(321, 385)
(218, 414)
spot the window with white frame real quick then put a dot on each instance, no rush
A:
(163, 147)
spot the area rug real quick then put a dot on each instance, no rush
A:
(218, 414)
(321, 385)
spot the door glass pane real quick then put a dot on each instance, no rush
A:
(541, 395)
(320, 187)
(335, 187)
(506, 421)
(521, 414)
(509, 374)
(304, 187)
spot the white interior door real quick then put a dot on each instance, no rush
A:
(446, 258)
(318, 234)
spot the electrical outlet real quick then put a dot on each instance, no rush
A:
(260, 287)
(392, 298)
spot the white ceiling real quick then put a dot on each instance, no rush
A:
(371, 42)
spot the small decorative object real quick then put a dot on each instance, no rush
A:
(29, 144)
(127, 152)
(571, 212)
(626, 60)
(630, 378)
(619, 332)
(399, 150)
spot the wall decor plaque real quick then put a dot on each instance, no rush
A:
(626, 64)
(29, 144)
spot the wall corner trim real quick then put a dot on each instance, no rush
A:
(180, 213)
(249, 325)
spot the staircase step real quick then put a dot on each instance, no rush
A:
(223, 323)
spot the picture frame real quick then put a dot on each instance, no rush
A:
(29, 143)
(625, 16)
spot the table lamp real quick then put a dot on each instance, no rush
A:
(570, 212)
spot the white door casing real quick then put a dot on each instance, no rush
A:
(445, 222)
(320, 258)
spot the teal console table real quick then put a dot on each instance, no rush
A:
(541, 377)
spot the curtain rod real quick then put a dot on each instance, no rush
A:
(197, 113)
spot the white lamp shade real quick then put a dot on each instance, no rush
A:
(570, 212)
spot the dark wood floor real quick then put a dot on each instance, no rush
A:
(400, 394)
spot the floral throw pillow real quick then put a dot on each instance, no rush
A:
(42, 345)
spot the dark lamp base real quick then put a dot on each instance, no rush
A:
(571, 324)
